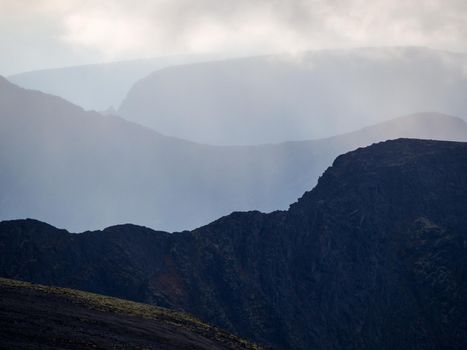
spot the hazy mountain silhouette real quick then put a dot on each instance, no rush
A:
(374, 257)
(283, 98)
(81, 170)
(98, 86)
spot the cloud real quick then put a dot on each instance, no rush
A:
(111, 29)
(273, 25)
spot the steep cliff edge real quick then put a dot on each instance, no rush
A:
(375, 256)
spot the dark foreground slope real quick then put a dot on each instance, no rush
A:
(41, 317)
(374, 257)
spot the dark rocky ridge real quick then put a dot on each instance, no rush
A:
(375, 256)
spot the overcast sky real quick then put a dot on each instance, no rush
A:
(37, 34)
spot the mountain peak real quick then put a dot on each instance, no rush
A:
(356, 260)
(412, 157)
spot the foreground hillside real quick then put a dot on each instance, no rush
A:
(41, 317)
(81, 170)
(374, 257)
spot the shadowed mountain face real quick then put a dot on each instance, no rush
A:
(40, 317)
(374, 257)
(81, 170)
(98, 86)
(283, 98)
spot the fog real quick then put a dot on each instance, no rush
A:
(282, 98)
(211, 106)
(255, 163)
(100, 87)
(51, 33)
(82, 170)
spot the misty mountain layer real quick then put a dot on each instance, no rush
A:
(81, 170)
(374, 257)
(98, 86)
(284, 98)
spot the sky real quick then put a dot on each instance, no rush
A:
(38, 34)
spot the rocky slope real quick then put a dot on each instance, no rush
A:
(43, 317)
(81, 170)
(374, 256)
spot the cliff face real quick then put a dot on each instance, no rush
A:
(375, 256)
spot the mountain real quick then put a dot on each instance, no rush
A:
(98, 86)
(82, 170)
(282, 98)
(374, 257)
(79, 320)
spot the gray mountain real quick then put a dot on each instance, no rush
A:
(98, 86)
(282, 98)
(82, 170)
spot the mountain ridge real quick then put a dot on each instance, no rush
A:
(350, 264)
(231, 102)
(81, 170)
(98, 86)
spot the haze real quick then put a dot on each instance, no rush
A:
(207, 107)
(290, 172)
(51, 33)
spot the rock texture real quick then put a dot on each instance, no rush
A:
(50, 318)
(375, 256)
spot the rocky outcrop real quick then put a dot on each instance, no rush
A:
(375, 256)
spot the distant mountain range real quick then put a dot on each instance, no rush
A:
(44, 317)
(374, 257)
(102, 86)
(285, 98)
(82, 170)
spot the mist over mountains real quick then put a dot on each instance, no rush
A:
(216, 174)
(99, 86)
(82, 170)
(314, 94)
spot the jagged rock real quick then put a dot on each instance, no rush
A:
(375, 256)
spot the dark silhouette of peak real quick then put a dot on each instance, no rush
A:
(373, 257)
(405, 155)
